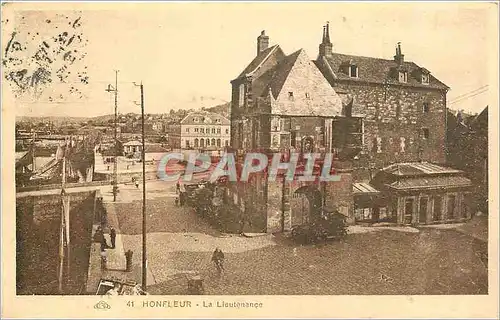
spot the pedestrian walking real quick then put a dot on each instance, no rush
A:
(99, 237)
(182, 194)
(112, 234)
(104, 243)
(137, 183)
(218, 259)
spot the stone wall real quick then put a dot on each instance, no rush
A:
(38, 230)
(126, 177)
(394, 122)
(274, 206)
(339, 195)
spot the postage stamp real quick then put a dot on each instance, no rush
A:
(250, 159)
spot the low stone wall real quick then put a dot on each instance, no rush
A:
(58, 186)
(125, 177)
(95, 269)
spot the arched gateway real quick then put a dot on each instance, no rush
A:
(306, 204)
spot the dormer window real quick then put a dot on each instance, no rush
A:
(290, 95)
(425, 78)
(403, 76)
(353, 71)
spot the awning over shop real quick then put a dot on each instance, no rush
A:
(431, 182)
(362, 188)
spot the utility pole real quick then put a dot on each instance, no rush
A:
(62, 226)
(115, 165)
(144, 257)
(33, 154)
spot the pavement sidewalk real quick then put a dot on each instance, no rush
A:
(116, 260)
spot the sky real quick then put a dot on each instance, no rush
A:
(186, 54)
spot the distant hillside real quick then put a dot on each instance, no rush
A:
(54, 119)
(222, 109)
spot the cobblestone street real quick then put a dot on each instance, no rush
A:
(180, 243)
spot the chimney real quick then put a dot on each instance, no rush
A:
(399, 57)
(262, 42)
(326, 47)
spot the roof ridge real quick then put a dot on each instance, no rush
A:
(329, 67)
(287, 62)
(367, 57)
(210, 114)
(272, 49)
(377, 70)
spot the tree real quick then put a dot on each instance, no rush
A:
(202, 200)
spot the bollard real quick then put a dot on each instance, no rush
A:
(128, 257)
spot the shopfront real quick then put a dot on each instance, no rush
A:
(424, 193)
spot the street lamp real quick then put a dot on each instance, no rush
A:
(115, 165)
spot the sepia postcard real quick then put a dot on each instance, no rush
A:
(250, 160)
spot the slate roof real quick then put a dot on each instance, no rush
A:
(418, 169)
(376, 70)
(210, 118)
(275, 77)
(431, 182)
(360, 188)
(258, 60)
(133, 143)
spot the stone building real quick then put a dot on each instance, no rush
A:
(282, 103)
(204, 130)
(402, 104)
(133, 146)
(404, 120)
(370, 113)
(173, 132)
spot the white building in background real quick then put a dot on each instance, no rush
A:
(203, 130)
(132, 147)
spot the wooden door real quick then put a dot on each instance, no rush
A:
(408, 213)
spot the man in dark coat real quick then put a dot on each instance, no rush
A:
(99, 237)
(112, 234)
(218, 259)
